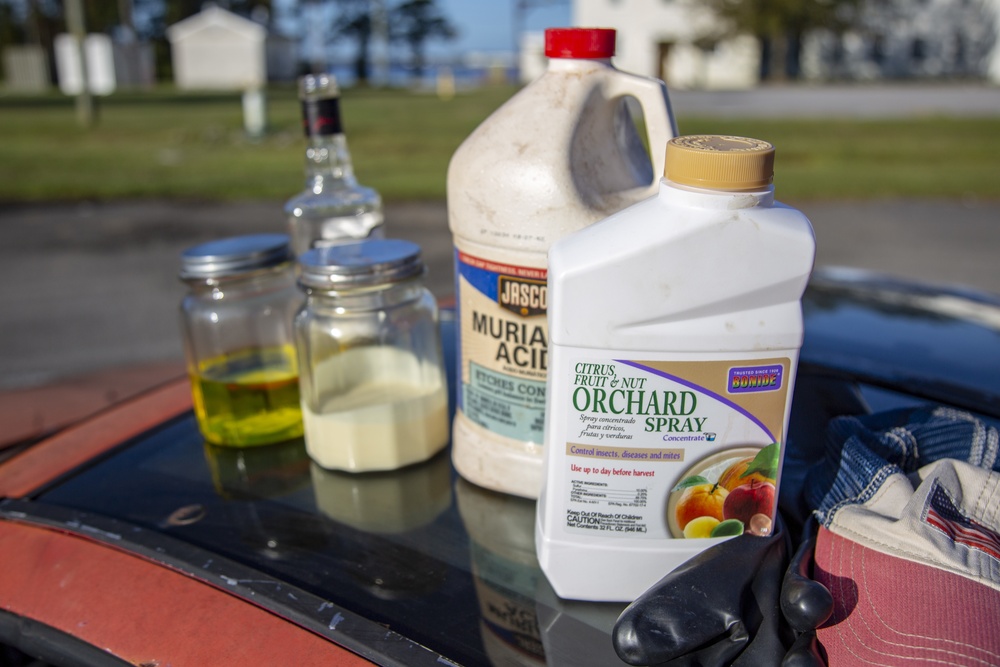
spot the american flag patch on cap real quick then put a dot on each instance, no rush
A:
(943, 515)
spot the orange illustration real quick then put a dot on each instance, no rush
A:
(700, 500)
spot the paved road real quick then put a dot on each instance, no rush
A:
(90, 286)
(851, 101)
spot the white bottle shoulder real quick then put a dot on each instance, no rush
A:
(702, 278)
(548, 162)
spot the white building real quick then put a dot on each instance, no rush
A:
(218, 50)
(679, 41)
(907, 39)
(683, 43)
(26, 68)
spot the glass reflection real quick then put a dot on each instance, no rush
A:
(266, 471)
(505, 572)
(384, 502)
(373, 508)
(244, 475)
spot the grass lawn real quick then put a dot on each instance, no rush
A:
(165, 144)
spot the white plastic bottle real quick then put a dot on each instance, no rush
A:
(675, 333)
(559, 155)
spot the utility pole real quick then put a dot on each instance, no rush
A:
(85, 115)
(380, 31)
(130, 43)
(126, 15)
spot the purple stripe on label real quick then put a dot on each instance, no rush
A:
(747, 379)
(722, 399)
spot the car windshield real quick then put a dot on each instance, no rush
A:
(418, 566)
(445, 567)
(420, 551)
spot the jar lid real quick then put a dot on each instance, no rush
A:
(234, 255)
(580, 42)
(719, 162)
(362, 264)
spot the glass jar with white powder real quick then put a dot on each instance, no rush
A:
(372, 378)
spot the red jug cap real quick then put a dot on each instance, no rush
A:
(580, 42)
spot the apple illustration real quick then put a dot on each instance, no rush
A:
(745, 501)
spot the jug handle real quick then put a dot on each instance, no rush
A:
(655, 102)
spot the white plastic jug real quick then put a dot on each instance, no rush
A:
(559, 155)
(676, 327)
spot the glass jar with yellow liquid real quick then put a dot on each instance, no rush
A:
(237, 322)
(374, 391)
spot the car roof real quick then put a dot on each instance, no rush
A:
(412, 567)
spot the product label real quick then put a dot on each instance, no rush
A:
(321, 117)
(669, 449)
(504, 346)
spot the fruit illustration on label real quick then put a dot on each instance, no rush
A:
(703, 526)
(734, 474)
(728, 528)
(701, 501)
(760, 525)
(726, 494)
(745, 501)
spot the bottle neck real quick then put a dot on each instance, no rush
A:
(578, 64)
(685, 195)
(328, 163)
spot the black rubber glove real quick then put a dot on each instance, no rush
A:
(805, 652)
(743, 602)
(718, 608)
(805, 604)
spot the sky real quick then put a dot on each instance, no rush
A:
(484, 26)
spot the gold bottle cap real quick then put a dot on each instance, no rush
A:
(718, 162)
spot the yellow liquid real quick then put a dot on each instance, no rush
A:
(249, 398)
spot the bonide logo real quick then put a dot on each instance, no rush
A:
(524, 297)
(756, 378)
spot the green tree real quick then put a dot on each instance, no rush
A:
(100, 15)
(12, 25)
(354, 21)
(35, 22)
(415, 22)
(30, 21)
(780, 26)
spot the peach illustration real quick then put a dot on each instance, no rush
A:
(730, 479)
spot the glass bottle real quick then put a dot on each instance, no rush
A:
(374, 392)
(334, 207)
(237, 323)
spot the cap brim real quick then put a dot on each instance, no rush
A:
(892, 611)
